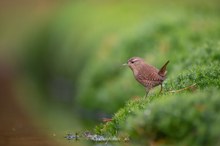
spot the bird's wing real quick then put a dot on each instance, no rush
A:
(149, 72)
(149, 77)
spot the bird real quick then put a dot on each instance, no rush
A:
(146, 74)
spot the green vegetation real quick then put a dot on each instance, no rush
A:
(202, 68)
(67, 60)
(182, 118)
(104, 81)
(83, 45)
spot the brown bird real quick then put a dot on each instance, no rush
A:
(147, 75)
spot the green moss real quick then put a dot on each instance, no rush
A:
(180, 119)
(183, 119)
(171, 35)
(202, 75)
(201, 67)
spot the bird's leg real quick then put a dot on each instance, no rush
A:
(161, 88)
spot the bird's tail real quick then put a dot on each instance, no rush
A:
(162, 71)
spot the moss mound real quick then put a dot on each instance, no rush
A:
(181, 119)
(188, 117)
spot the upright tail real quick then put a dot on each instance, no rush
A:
(162, 72)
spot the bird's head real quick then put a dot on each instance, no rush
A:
(135, 63)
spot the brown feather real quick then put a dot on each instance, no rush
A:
(147, 75)
(162, 72)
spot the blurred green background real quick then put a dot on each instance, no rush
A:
(61, 61)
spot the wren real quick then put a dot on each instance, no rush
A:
(146, 74)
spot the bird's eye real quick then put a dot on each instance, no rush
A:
(132, 62)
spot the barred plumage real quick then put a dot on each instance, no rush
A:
(147, 75)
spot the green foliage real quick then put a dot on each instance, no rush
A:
(75, 56)
(201, 75)
(181, 119)
(104, 82)
(113, 127)
(85, 43)
(202, 69)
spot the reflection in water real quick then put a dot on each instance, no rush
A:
(98, 139)
(71, 136)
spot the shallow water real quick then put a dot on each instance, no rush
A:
(16, 127)
(19, 128)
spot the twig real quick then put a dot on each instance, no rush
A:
(186, 88)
